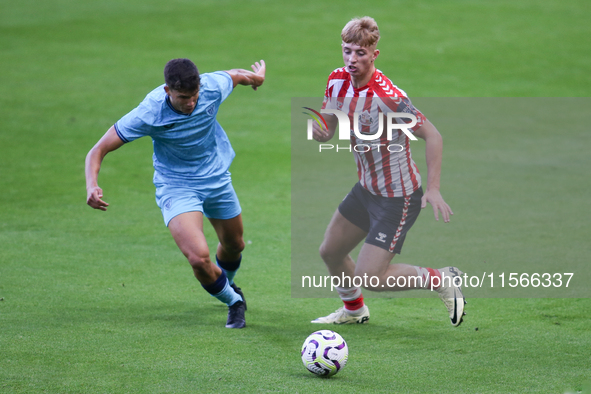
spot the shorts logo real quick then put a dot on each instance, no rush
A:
(210, 110)
(168, 204)
(381, 237)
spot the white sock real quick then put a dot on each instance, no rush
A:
(349, 294)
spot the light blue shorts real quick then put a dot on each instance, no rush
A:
(215, 203)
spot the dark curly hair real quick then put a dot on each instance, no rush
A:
(181, 75)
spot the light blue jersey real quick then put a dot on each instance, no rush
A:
(188, 148)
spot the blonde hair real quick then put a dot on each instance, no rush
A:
(361, 31)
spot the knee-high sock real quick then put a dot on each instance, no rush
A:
(229, 267)
(221, 290)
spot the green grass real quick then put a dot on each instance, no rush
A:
(103, 302)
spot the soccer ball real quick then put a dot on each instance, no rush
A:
(324, 353)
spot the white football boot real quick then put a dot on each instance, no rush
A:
(342, 316)
(452, 296)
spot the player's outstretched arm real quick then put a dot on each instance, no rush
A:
(433, 153)
(254, 78)
(108, 143)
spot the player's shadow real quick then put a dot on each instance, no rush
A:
(173, 314)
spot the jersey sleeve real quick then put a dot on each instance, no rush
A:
(401, 103)
(406, 106)
(134, 125)
(329, 102)
(224, 83)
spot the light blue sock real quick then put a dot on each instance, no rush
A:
(228, 296)
(222, 290)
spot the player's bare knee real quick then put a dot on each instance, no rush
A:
(329, 255)
(234, 246)
(198, 262)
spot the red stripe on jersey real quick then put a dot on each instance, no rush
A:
(371, 163)
(388, 173)
(344, 89)
(402, 182)
(410, 163)
(365, 163)
(366, 107)
(328, 91)
(359, 167)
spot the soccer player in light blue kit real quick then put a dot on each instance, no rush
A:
(192, 155)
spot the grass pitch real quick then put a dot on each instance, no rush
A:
(95, 302)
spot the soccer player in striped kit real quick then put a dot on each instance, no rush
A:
(384, 204)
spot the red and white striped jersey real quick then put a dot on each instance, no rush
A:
(384, 167)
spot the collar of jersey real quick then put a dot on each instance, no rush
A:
(179, 112)
(366, 86)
